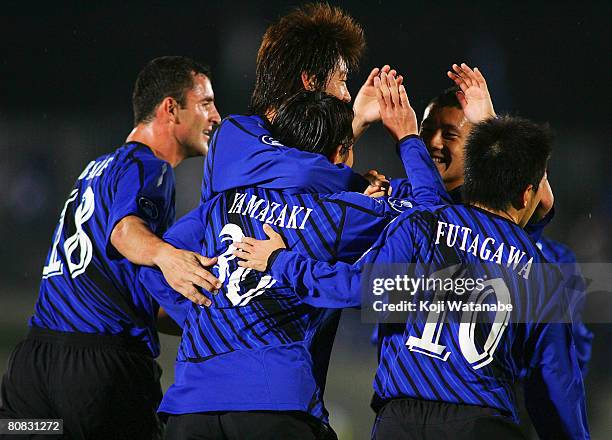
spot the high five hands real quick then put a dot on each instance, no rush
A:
(396, 113)
(473, 95)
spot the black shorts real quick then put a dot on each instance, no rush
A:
(407, 419)
(247, 425)
(103, 387)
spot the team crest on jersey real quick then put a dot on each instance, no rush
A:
(148, 208)
(269, 140)
(400, 205)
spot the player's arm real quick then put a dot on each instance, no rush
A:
(317, 283)
(265, 165)
(544, 212)
(141, 209)
(554, 391)
(184, 270)
(187, 234)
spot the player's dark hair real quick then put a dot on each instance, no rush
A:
(502, 157)
(313, 38)
(170, 76)
(315, 122)
(448, 98)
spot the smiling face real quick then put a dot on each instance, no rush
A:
(197, 118)
(445, 131)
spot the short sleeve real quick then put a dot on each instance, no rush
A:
(144, 188)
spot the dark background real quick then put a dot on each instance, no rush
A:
(67, 73)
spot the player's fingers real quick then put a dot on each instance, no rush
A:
(392, 82)
(203, 283)
(379, 96)
(470, 74)
(400, 80)
(385, 68)
(480, 78)
(371, 189)
(243, 246)
(205, 261)
(240, 254)
(372, 75)
(248, 240)
(207, 277)
(250, 265)
(403, 97)
(461, 74)
(461, 98)
(384, 88)
(192, 294)
(457, 80)
(271, 233)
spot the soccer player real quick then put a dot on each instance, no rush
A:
(451, 377)
(314, 47)
(254, 364)
(445, 128)
(89, 356)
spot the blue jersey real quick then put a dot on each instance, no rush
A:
(87, 286)
(446, 362)
(243, 153)
(562, 255)
(259, 346)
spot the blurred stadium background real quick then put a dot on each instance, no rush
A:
(67, 75)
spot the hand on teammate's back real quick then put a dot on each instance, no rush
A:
(185, 270)
(396, 113)
(254, 254)
(474, 95)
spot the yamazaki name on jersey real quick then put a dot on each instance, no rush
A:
(283, 216)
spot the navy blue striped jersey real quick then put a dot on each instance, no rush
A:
(243, 153)
(259, 346)
(87, 286)
(451, 359)
(562, 255)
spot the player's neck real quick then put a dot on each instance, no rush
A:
(163, 145)
(509, 214)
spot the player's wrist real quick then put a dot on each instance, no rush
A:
(161, 252)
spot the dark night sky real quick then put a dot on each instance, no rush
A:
(552, 59)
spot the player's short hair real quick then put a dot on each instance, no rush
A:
(502, 157)
(169, 76)
(313, 38)
(315, 122)
(448, 98)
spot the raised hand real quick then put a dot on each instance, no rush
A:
(366, 104)
(474, 95)
(396, 113)
(254, 254)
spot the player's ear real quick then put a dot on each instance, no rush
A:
(336, 157)
(528, 194)
(308, 81)
(169, 109)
